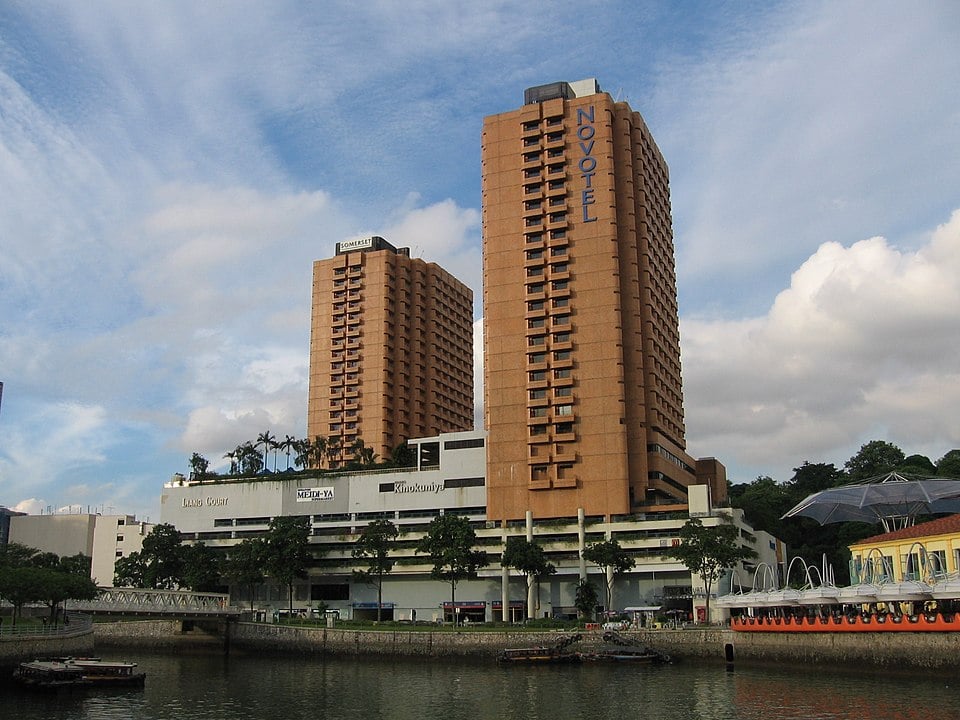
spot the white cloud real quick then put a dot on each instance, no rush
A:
(861, 346)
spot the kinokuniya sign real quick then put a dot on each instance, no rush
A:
(318, 494)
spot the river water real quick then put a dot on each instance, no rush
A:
(216, 687)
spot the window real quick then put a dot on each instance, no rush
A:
(561, 302)
(564, 410)
(555, 185)
(565, 391)
(556, 120)
(534, 254)
(554, 136)
(558, 217)
(531, 173)
(536, 323)
(563, 337)
(561, 320)
(534, 305)
(528, 141)
(558, 251)
(561, 355)
(538, 394)
(531, 221)
(537, 376)
(560, 284)
(555, 152)
(539, 412)
(534, 237)
(558, 200)
(531, 125)
(535, 288)
(532, 204)
(536, 358)
(561, 373)
(535, 271)
(558, 234)
(531, 156)
(532, 188)
(537, 340)
(538, 472)
(564, 428)
(538, 429)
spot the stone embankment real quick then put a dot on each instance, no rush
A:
(900, 650)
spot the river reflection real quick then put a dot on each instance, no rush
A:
(241, 687)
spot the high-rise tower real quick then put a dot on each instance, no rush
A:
(582, 385)
(391, 349)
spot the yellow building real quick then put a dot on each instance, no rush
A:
(391, 349)
(583, 393)
(921, 552)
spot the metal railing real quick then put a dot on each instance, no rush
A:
(72, 625)
(137, 601)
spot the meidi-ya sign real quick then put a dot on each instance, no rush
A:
(314, 494)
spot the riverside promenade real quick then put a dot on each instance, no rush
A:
(890, 650)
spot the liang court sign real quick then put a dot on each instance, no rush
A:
(318, 494)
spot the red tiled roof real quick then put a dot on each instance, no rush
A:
(940, 526)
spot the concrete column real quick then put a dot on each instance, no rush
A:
(581, 542)
(531, 597)
(504, 579)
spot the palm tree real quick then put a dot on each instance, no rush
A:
(334, 449)
(303, 450)
(249, 459)
(269, 442)
(287, 445)
(232, 457)
(318, 451)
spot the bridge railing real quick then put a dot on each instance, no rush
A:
(158, 602)
(73, 624)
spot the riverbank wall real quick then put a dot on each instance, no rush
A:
(15, 649)
(882, 650)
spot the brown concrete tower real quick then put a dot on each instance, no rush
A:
(583, 393)
(391, 349)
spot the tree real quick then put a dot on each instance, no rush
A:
(244, 565)
(130, 571)
(248, 458)
(613, 559)
(333, 450)
(16, 555)
(403, 456)
(585, 599)
(201, 568)
(55, 586)
(917, 465)
(269, 443)
(20, 585)
(287, 445)
(301, 453)
(162, 555)
(949, 465)
(708, 551)
(528, 558)
(232, 457)
(449, 543)
(198, 467)
(287, 552)
(374, 546)
(874, 458)
(763, 502)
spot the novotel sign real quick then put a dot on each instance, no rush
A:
(317, 494)
(587, 162)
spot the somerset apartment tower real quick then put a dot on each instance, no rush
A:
(582, 387)
(391, 349)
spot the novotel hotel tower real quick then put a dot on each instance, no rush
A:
(391, 349)
(582, 386)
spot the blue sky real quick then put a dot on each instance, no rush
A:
(169, 171)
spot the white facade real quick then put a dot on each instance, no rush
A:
(103, 538)
(450, 478)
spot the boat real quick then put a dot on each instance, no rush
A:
(623, 650)
(78, 674)
(559, 652)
